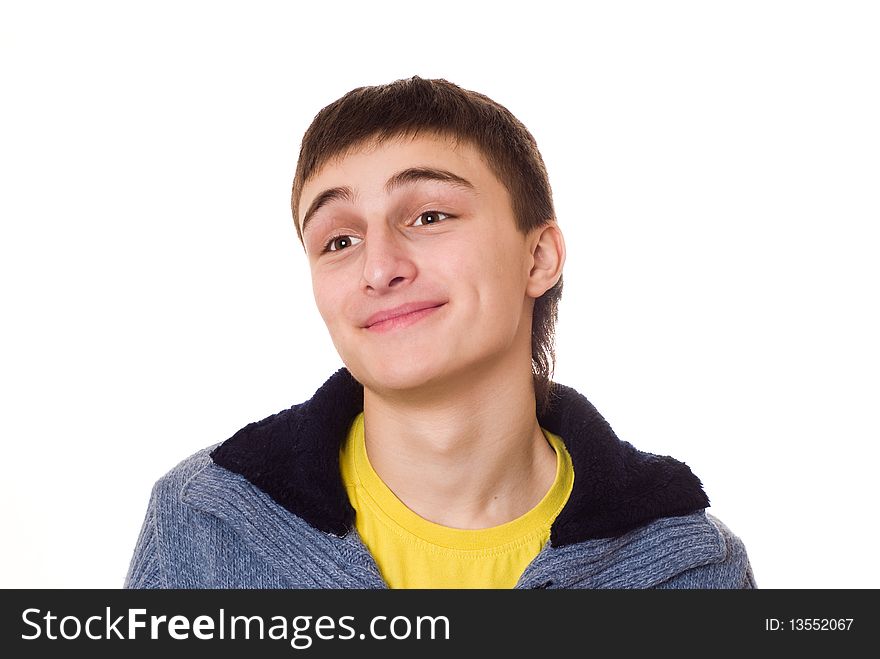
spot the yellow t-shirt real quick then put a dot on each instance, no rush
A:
(412, 552)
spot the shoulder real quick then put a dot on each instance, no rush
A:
(730, 570)
(177, 477)
(168, 488)
(149, 566)
(166, 497)
(187, 539)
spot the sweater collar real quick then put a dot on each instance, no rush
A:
(293, 456)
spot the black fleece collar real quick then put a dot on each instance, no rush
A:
(293, 456)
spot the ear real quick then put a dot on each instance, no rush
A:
(547, 248)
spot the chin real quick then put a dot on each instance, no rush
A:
(398, 374)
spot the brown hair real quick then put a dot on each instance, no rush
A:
(414, 106)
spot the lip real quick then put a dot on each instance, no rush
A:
(404, 314)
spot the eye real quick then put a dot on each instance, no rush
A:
(428, 214)
(342, 241)
(337, 243)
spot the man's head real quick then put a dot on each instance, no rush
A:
(370, 168)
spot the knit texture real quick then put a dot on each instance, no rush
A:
(294, 457)
(207, 527)
(267, 509)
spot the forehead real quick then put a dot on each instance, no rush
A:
(367, 169)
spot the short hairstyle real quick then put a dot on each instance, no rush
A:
(415, 106)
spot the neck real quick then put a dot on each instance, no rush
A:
(469, 456)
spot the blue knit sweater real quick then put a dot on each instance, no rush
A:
(267, 509)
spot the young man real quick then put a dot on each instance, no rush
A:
(442, 455)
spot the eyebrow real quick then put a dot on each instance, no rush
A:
(404, 177)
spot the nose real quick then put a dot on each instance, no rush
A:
(387, 261)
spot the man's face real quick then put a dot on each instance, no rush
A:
(449, 248)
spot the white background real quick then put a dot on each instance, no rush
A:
(715, 169)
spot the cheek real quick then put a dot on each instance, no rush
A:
(487, 260)
(328, 298)
(504, 274)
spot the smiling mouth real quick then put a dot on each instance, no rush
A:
(404, 320)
